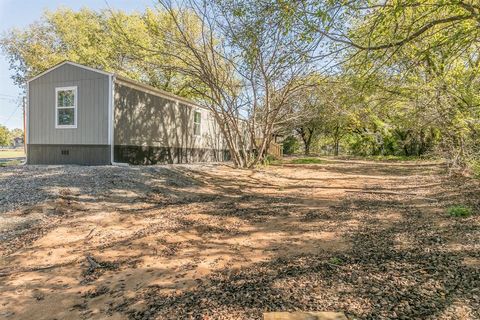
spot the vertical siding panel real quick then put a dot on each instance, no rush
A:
(87, 109)
(80, 108)
(99, 119)
(45, 93)
(42, 113)
(38, 114)
(93, 107)
(106, 111)
(95, 121)
(92, 112)
(95, 103)
(81, 131)
(32, 113)
(95, 115)
(82, 103)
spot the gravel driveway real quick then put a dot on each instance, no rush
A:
(370, 239)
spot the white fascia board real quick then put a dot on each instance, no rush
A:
(27, 123)
(110, 116)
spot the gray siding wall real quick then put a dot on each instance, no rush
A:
(146, 119)
(92, 101)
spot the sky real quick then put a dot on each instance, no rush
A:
(19, 14)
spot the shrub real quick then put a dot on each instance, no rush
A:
(290, 145)
(459, 211)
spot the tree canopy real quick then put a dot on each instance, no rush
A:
(395, 77)
(97, 39)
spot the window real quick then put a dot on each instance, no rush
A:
(197, 120)
(66, 107)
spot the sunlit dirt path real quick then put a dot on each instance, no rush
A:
(370, 239)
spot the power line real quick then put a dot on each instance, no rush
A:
(8, 95)
(9, 99)
(13, 113)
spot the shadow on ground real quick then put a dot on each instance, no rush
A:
(211, 242)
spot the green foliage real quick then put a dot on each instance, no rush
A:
(459, 211)
(475, 166)
(112, 41)
(407, 85)
(15, 133)
(10, 163)
(394, 158)
(321, 111)
(307, 161)
(270, 160)
(291, 145)
(7, 136)
(420, 64)
(4, 136)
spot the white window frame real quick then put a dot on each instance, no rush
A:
(199, 123)
(75, 107)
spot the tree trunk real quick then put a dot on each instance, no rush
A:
(307, 149)
(337, 140)
(306, 138)
(301, 132)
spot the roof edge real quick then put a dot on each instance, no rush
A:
(58, 65)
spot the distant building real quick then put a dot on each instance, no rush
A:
(18, 142)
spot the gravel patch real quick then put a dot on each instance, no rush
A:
(23, 186)
(373, 280)
(209, 242)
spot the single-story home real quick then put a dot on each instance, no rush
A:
(80, 115)
(17, 142)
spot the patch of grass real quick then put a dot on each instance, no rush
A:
(307, 161)
(394, 158)
(11, 153)
(10, 163)
(459, 211)
(271, 160)
(336, 261)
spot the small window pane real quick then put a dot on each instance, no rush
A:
(198, 117)
(196, 129)
(66, 117)
(66, 98)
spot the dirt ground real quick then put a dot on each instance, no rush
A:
(369, 239)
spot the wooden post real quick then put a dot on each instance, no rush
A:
(304, 316)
